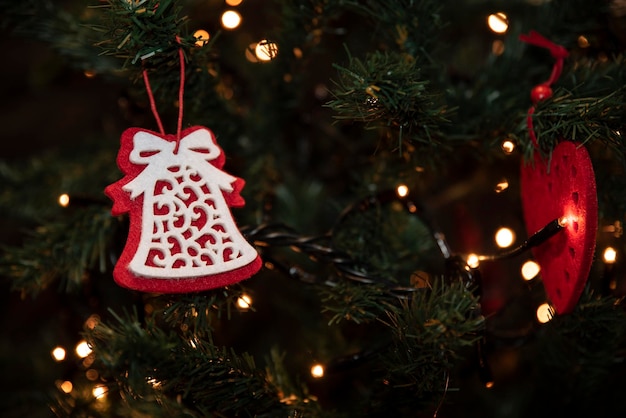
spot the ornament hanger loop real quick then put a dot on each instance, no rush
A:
(543, 91)
(181, 91)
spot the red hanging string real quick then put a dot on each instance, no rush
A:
(543, 91)
(152, 102)
(181, 91)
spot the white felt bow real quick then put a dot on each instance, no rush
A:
(195, 151)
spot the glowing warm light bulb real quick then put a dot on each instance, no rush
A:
(244, 302)
(508, 146)
(266, 50)
(99, 392)
(402, 190)
(504, 237)
(231, 19)
(609, 255)
(202, 37)
(530, 270)
(583, 42)
(58, 353)
(545, 312)
(497, 47)
(64, 200)
(317, 371)
(83, 349)
(473, 261)
(502, 186)
(67, 386)
(234, 2)
(498, 22)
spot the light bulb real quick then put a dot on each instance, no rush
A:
(202, 37)
(231, 19)
(317, 371)
(505, 237)
(58, 353)
(498, 22)
(83, 349)
(609, 255)
(530, 270)
(508, 146)
(473, 261)
(545, 312)
(64, 200)
(402, 190)
(266, 50)
(244, 302)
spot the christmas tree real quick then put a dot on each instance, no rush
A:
(420, 208)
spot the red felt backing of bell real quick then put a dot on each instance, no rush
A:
(562, 187)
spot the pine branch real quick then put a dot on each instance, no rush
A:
(148, 365)
(63, 251)
(387, 90)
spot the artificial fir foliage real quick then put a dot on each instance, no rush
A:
(380, 143)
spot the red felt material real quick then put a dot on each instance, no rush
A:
(563, 186)
(124, 204)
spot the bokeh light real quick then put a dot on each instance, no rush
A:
(545, 313)
(504, 237)
(58, 353)
(530, 270)
(83, 349)
(202, 37)
(610, 255)
(402, 190)
(317, 371)
(231, 19)
(266, 50)
(498, 22)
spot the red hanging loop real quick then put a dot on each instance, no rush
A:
(543, 91)
(181, 91)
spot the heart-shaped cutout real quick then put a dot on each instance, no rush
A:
(564, 186)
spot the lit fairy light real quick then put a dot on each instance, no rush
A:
(610, 255)
(508, 146)
(58, 353)
(266, 50)
(66, 386)
(497, 47)
(472, 261)
(231, 19)
(83, 349)
(202, 37)
(504, 237)
(92, 374)
(92, 321)
(502, 186)
(583, 42)
(234, 3)
(530, 270)
(545, 313)
(244, 302)
(402, 190)
(89, 73)
(317, 371)
(99, 392)
(64, 200)
(498, 22)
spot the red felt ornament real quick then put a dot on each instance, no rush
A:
(182, 235)
(561, 187)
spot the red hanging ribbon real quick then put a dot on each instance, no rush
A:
(543, 91)
(181, 91)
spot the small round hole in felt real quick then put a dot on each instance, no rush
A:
(562, 186)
